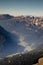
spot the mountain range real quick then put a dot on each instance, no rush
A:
(21, 34)
(5, 16)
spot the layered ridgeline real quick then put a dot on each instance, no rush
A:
(28, 28)
(21, 39)
(5, 16)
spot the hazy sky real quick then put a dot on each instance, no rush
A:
(21, 7)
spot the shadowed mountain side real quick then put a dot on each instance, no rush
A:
(31, 28)
(8, 43)
(27, 30)
(29, 58)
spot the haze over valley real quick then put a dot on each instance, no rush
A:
(20, 34)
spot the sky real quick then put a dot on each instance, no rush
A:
(21, 7)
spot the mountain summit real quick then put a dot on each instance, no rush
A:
(5, 16)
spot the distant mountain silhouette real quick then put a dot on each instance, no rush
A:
(5, 16)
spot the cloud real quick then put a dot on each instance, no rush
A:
(24, 44)
(13, 55)
(27, 48)
(15, 32)
(22, 41)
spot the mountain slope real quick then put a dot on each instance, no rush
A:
(8, 43)
(21, 34)
(29, 29)
(24, 58)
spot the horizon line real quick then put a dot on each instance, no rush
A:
(20, 15)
